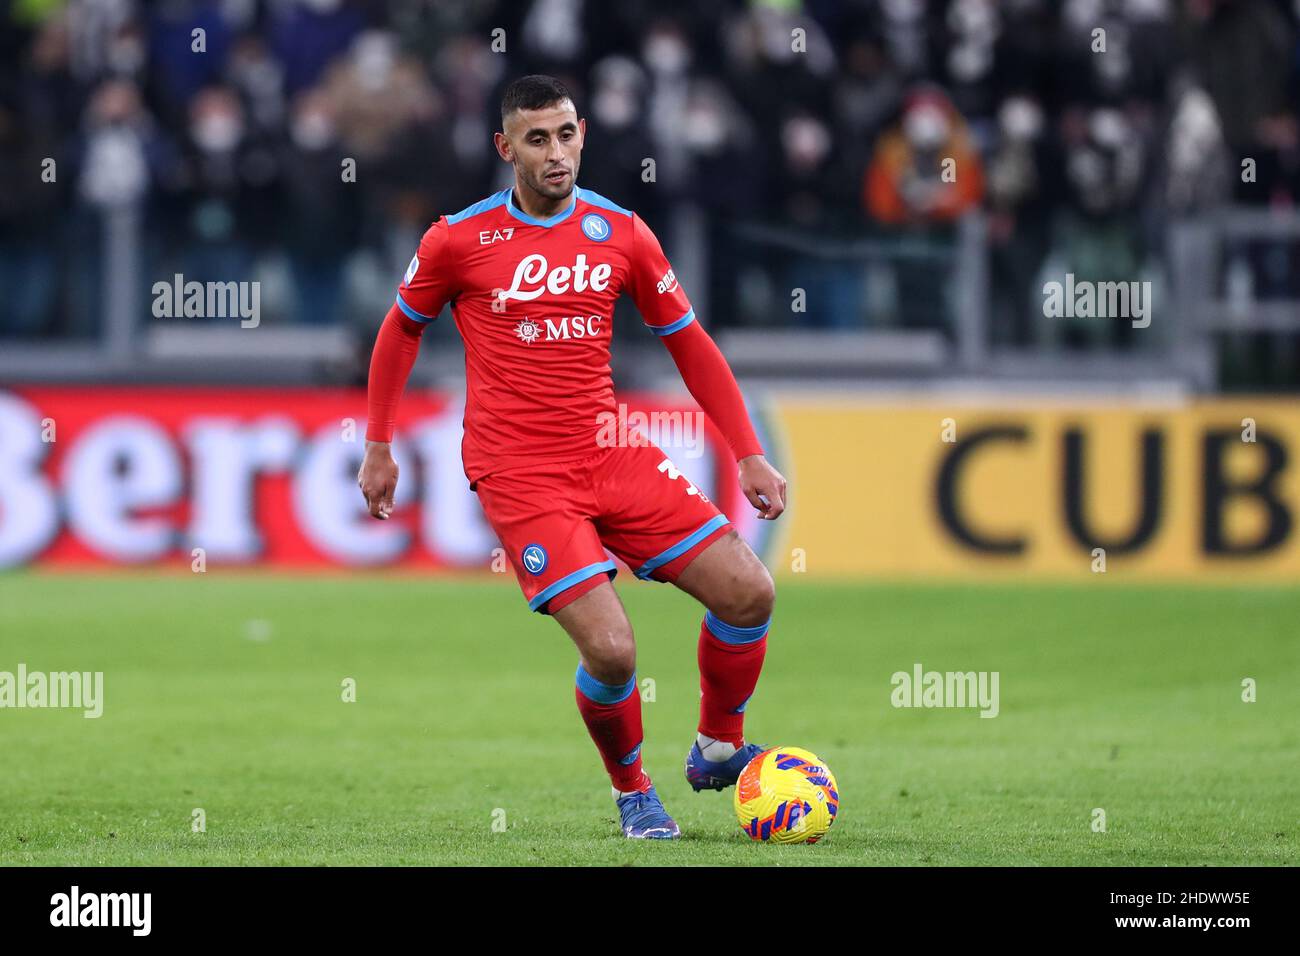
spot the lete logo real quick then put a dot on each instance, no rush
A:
(532, 278)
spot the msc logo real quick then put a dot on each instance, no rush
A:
(534, 558)
(489, 236)
(595, 227)
(667, 283)
(567, 327)
(577, 326)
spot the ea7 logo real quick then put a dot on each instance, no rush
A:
(668, 468)
(667, 283)
(489, 236)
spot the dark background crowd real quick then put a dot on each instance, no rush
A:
(231, 156)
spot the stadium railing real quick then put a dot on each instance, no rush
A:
(800, 305)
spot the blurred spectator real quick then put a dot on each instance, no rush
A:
(307, 35)
(973, 28)
(258, 78)
(189, 42)
(925, 170)
(121, 162)
(1197, 165)
(29, 235)
(1021, 173)
(1104, 162)
(869, 92)
(924, 175)
(379, 95)
(322, 221)
(121, 152)
(1099, 238)
(392, 122)
(808, 201)
(1245, 52)
(228, 190)
(616, 120)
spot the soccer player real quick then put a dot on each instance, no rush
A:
(532, 274)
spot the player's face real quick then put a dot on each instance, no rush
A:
(545, 147)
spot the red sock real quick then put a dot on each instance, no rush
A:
(730, 661)
(612, 713)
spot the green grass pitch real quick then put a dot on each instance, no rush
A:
(224, 692)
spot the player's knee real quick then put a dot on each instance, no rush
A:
(762, 598)
(753, 600)
(611, 658)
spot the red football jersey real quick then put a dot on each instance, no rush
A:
(534, 302)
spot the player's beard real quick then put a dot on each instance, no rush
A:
(539, 185)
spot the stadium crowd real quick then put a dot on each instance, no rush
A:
(224, 123)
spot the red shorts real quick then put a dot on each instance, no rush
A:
(556, 520)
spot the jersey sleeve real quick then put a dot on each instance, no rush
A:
(653, 285)
(430, 281)
(709, 380)
(396, 348)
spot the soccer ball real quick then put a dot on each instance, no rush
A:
(786, 795)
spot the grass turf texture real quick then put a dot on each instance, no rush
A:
(1123, 698)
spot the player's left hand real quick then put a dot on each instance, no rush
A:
(763, 485)
(378, 479)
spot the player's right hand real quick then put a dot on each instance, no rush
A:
(378, 479)
(764, 486)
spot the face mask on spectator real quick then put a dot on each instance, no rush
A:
(665, 53)
(926, 126)
(374, 59)
(806, 142)
(216, 133)
(1108, 128)
(1021, 119)
(903, 11)
(614, 108)
(1082, 14)
(126, 54)
(312, 130)
(703, 128)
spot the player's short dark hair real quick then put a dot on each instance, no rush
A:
(534, 92)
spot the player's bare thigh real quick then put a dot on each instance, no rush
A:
(729, 579)
(598, 625)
